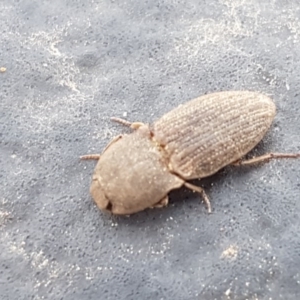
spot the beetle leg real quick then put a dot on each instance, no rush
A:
(265, 158)
(162, 203)
(90, 157)
(97, 156)
(134, 125)
(201, 191)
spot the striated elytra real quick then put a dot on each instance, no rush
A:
(195, 140)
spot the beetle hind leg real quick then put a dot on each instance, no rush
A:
(265, 158)
(201, 191)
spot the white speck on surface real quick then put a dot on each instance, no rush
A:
(227, 293)
(231, 252)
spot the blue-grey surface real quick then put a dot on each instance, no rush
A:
(70, 66)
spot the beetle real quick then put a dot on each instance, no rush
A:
(195, 140)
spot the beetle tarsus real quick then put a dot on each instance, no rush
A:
(201, 191)
(134, 125)
(265, 158)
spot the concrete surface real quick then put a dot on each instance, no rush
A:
(73, 64)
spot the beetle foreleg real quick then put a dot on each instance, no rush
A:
(90, 156)
(134, 125)
(162, 203)
(97, 156)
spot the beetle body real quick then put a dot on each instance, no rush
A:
(194, 140)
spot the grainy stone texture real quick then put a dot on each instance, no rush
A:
(70, 66)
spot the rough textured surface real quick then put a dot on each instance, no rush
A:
(72, 65)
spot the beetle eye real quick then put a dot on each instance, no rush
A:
(109, 206)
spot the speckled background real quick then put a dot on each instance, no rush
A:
(70, 66)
